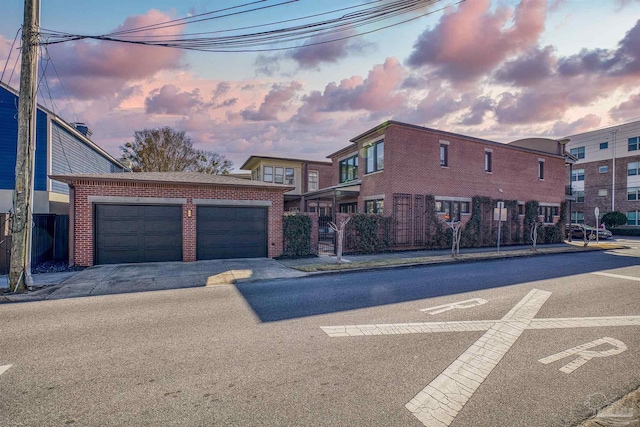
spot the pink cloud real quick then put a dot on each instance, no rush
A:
(627, 110)
(276, 101)
(377, 93)
(93, 69)
(583, 124)
(170, 100)
(318, 50)
(470, 41)
(530, 68)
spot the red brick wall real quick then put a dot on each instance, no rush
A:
(82, 225)
(412, 166)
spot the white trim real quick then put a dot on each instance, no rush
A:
(353, 153)
(374, 197)
(443, 142)
(372, 141)
(453, 199)
(490, 150)
(137, 200)
(374, 172)
(229, 202)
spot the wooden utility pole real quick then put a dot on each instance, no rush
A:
(22, 209)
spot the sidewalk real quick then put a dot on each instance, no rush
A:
(125, 278)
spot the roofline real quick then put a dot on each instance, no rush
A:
(68, 127)
(251, 158)
(117, 178)
(437, 131)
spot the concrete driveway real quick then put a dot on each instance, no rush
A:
(125, 278)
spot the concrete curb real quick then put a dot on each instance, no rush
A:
(464, 258)
(623, 412)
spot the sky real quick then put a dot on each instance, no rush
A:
(495, 69)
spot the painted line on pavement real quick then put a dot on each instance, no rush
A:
(617, 276)
(474, 302)
(4, 368)
(439, 403)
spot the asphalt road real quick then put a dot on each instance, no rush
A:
(256, 354)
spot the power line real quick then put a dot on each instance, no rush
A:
(365, 14)
(9, 56)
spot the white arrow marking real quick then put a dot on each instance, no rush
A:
(438, 404)
(4, 368)
(455, 305)
(585, 354)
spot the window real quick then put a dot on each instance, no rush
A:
(349, 207)
(313, 180)
(375, 157)
(548, 212)
(603, 169)
(633, 143)
(577, 217)
(577, 152)
(520, 208)
(632, 218)
(288, 176)
(633, 168)
(579, 196)
(374, 206)
(268, 174)
(577, 175)
(279, 175)
(540, 169)
(633, 193)
(444, 155)
(604, 145)
(602, 192)
(349, 169)
(255, 174)
(487, 161)
(452, 209)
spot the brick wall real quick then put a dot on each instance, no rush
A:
(81, 230)
(412, 166)
(594, 181)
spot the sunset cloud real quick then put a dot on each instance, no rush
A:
(276, 101)
(170, 100)
(92, 69)
(472, 40)
(627, 110)
(318, 50)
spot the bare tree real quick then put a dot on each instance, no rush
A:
(169, 150)
(339, 229)
(456, 228)
(533, 234)
(213, 163)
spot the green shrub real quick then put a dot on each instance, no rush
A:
(625, 231)
(614, 219)
(368, 233)
(297, 236)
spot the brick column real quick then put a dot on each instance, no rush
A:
(189, 231)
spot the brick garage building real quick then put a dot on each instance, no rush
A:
(156, 216)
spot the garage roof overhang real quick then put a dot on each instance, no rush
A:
(180, 178)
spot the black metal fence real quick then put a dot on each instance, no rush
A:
(49, 240)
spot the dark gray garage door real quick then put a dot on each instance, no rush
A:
(134, 233)
(231, 232)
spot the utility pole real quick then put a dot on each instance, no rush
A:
(22, 215)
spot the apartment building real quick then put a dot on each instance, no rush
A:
(606, 174)
(304, 175)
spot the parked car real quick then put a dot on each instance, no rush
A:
(577, 233)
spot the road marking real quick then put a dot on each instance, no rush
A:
(455, 305)
(617, 276)
(440, 402)
(4, 368)
(585, 354)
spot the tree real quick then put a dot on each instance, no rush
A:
(169, 150)
(213, 163)
(614, 219)
(339, 229)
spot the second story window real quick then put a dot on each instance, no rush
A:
(487, 161)
(289, 176)
(349, 169)
(313, 180)
(375, 157)
(633, 168)
(268, 174)
(279, 175)
(577, 175)
(603, 169)
(578, 152)
(444, 154)
(604, 145)
(633, 143)
(579, 196)
(540, 169)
